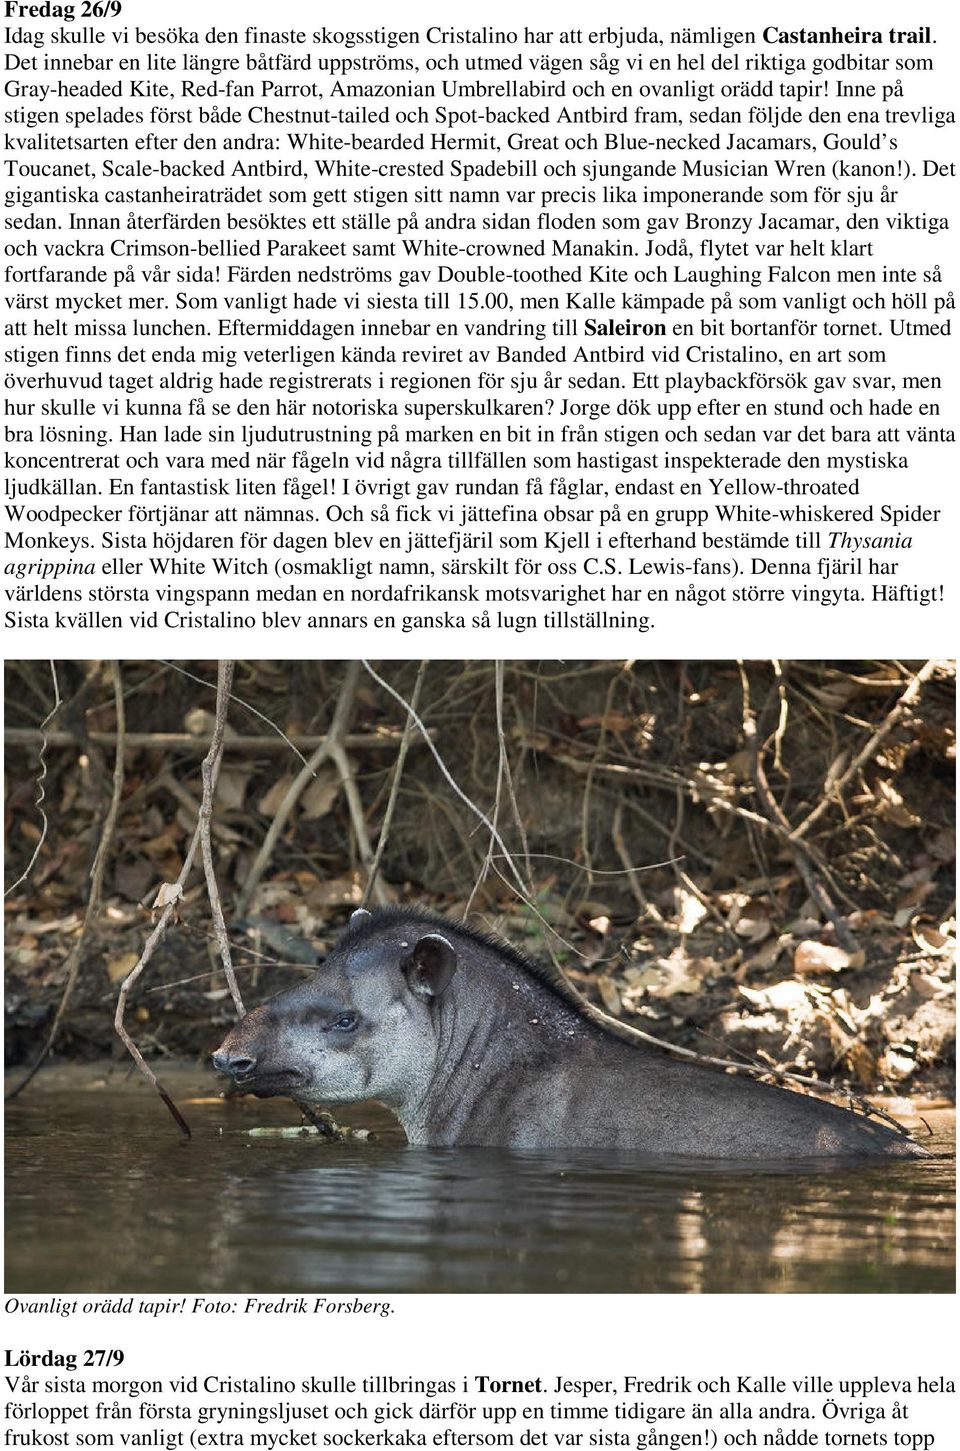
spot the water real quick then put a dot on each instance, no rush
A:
(103, 1196)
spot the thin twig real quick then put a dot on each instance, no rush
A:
(511, 785)
(95, 897)
(409, 731)
(594, 761)
(358, 821)
(782, 718)
(209, 772)
(495, 812)
(194, 745)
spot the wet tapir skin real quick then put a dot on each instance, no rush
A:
(468, 1043)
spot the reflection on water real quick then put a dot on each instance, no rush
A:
(102, 1196)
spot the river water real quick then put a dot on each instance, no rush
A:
(102, 1195)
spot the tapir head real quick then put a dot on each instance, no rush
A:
(364, 1026)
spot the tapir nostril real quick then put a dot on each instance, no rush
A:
(238, 1067)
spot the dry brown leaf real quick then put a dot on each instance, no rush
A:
(804, 926)
(163, 844)
(690, 910)
(119, 967)
(677, 973)
(613, 721)
(609, 995)
(754, 929)
(345, 891)
(320, 795)
(133, 879)
(770, 951)
(815, 957)
(269, 804)
(890, 803)
(781, 997)
(232, 786)
(930, 940)
(910, 901)
(740, 765)
(200, 722)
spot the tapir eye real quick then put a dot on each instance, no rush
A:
(346, 1022)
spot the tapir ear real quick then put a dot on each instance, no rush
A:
(430, 966)
(358, 917)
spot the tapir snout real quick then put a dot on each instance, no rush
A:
(248, 1054)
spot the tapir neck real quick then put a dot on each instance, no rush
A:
(491, 1029)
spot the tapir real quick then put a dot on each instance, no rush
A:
(468, 1042)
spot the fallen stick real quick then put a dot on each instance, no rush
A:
(199, 745)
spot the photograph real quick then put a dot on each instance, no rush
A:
(471, 976)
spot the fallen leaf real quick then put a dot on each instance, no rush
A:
(783, 997)
(319, 796)
(677, 973)
(133, 879)
(690, 911)
(200, 722)
(609, 995)
(270, 803)
(754, 929)
(812, 957)
(804, 926)
(930, 940)
(232, 786)
(890, 803)
(770, 951)
(343, 891)
(119, 967)
(169, 894)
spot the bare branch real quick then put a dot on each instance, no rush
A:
(409, 731)
(41, 778)
(197, 745)
(330, 744)
(95, 897)
(201, 837)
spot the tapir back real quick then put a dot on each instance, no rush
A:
(469, 1043)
